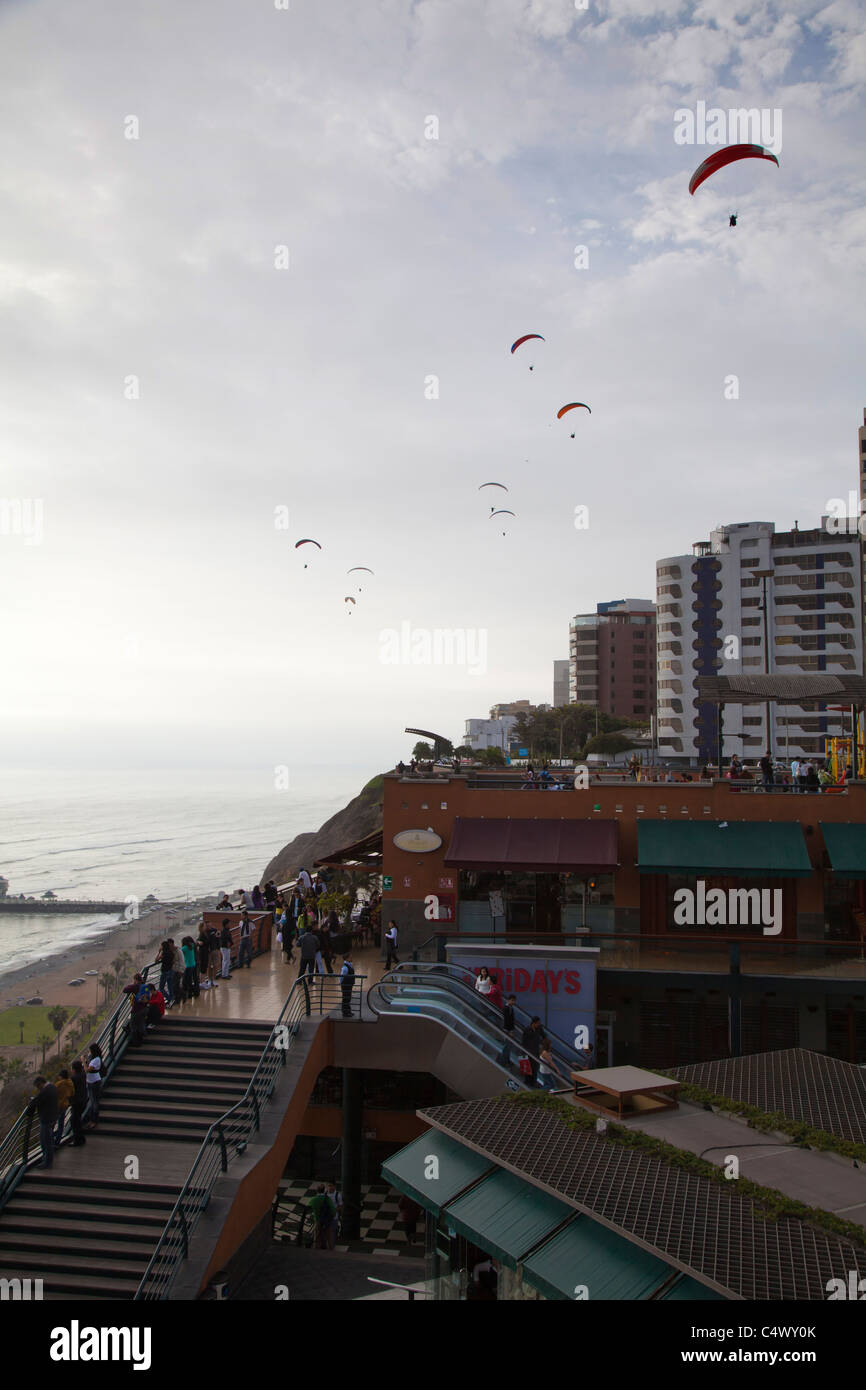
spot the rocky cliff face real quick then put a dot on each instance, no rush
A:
(361, 817)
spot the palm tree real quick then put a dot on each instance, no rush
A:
(108, 982)
(57, 1018)
(45, 1039)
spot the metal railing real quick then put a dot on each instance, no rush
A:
(20, 1147)
(229, 1136)
(447, 993)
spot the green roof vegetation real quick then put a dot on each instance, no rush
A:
(769, 1203)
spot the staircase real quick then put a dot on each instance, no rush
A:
(80, 1226)
(187, 1073)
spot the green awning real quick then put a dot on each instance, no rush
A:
(586, 1253)
(506, 1216)
(846, 846)
(433, 1185)
(690, 1291)
(739, 849)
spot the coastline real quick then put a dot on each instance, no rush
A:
(49, 977)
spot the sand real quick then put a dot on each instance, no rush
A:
(49, 978)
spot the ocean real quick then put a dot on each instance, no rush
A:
(109, 835)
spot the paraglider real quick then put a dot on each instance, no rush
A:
(349, 599)
(307, 541)
(732, 220)
(353, 570)
(574, 405)
(503, 511)
(728, 155)
(525, 339)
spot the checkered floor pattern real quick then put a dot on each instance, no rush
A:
(381, 1228)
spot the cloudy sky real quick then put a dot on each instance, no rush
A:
(172, 390)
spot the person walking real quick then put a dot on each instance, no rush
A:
(391, 945)
(245, 949)
(45, 1105)
(79, 1100)
(532, 1037)
(336, 1196)
(324, 1210)
(347, 984)
(65, 1091)
(226, 949)
(332, 1215)
(507, 1027)
(327, 949)
(309, 950)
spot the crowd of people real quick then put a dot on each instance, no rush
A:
(68, 1095)
(802, 776)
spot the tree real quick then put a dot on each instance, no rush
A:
(464, 751)
(108, 982)
(57, 1018)
(44, 1040)
(422, 751)
(611, 744)
(12, 1069)
(493, 757)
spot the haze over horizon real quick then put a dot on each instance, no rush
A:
(164, 619)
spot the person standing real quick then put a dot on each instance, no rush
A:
(190, 972)
(226, 949)
(79, 1100)
(45, 1105)
(507, 1027)
(304, 880)
(409, 1212)
(167, 978)
(94, 1085)
(213, 960)
(803, 776)
(347, 984)
(65, 1091)
(333, 1224)
(483, 983)
(258, 900)
(795, 774)
(547, 1072)
(531, 1040)
(766, 766)
(245, 947)
(327, 950)
(391, 945)
(202, 951)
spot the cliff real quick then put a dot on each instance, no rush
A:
(361, 817)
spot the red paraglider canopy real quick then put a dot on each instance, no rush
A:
(525, 339)
(727, 156)
(575, 405)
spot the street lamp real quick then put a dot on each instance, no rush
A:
(764, 575)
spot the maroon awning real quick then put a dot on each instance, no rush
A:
(543, 846)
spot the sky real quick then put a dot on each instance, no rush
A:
(260, 271)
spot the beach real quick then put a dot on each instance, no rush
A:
(49, 977)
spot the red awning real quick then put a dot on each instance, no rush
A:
(542, 846)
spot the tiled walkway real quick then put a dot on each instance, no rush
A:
(381, 1229)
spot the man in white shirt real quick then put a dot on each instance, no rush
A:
(391, 946)
(795, 775)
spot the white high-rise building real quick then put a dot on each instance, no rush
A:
(712, 621)
(489, 733)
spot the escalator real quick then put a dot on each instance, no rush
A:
(447, 994)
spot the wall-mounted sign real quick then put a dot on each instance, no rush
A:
(407, 883)
(559, 988)
(387, 883)
(447, 907)
(417, 841)
(446, 882)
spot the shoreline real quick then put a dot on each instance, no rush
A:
(49, 977)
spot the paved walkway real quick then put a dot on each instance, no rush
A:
(316, 1276)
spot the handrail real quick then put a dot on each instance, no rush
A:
(480, 1015)
(20, 1146)
(229, 1135)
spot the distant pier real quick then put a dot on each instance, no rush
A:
(47, 905)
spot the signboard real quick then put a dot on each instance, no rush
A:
(497, 903)
(447, 907)
(417, 841)
(407, 883)
(387, 883)
(446, 882)
(559, 987)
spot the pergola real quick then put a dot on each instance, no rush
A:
(781, 690)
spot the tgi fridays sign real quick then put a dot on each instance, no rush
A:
(559, 986)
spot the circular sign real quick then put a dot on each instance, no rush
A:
(417, 841)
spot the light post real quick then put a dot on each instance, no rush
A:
(764, 575)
